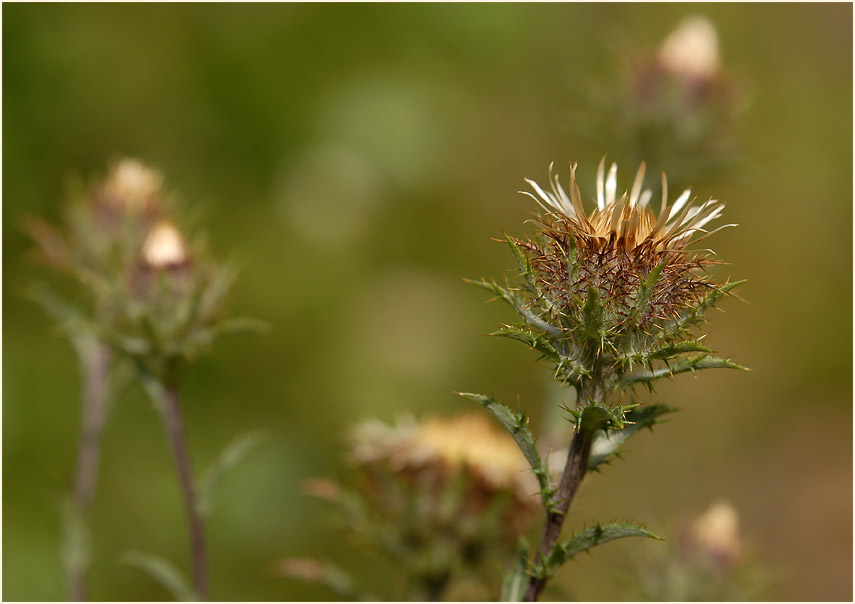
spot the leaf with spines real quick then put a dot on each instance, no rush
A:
(572, 259)
(702, 361)
(694, 315)
(523, 262)
(605, 446)
(516, 424)
(589, 538)
(592, 315)
(644, 294)
(512, 300)
(534, 340)
(663, 353)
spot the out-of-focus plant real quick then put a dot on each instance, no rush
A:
(676, 107)
(612, 300)
(142, 304)
(707, 562)
(445, 499)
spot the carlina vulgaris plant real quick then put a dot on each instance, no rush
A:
(153, 302)
(104, 228)
(171, 313)
(612, 300)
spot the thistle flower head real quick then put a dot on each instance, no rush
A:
(615, 249)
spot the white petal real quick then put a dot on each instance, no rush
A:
(681, 201)
(636, 187)
(611, 184)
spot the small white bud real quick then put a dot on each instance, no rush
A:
(691, 50)
(716, 533)
(132, 184)
(164, 247)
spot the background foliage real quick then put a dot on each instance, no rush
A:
(359, 159)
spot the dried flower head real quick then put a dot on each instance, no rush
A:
(715, 534)
(617, 246)
(447, 446)
(164, 247)
(691, 50)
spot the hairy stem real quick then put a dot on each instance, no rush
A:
(175, 430)
(95, 364)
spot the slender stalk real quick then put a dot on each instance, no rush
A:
(574, 471)
(571, 478)
(95, 363)
(175, 430)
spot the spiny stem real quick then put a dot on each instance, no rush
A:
(95, 363)
(175, 429)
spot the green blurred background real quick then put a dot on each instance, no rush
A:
(358, 159)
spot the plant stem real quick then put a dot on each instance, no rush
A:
(175, 429)
(574, 471)
(95, 363)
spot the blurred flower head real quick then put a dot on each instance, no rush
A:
(715, 535)
(441, 497)
(467, 443)
(131, 185)
(164, 247)
(691, 50)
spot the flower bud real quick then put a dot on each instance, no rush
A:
(164, 247)
(716, 534)
(691, 50)
(132, 186)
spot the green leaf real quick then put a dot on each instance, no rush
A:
(515, 581)
(592, 314)
(523, 262)
(606, 444)
(589, 538)
(597, 417)
(702, 361)
(512, 300)
(671, 350)
(572, 265)
(201, 338)
(708, 301)
(163, 572)
(534, 340)
(228, 458)
(517, 425)
(645, 293)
